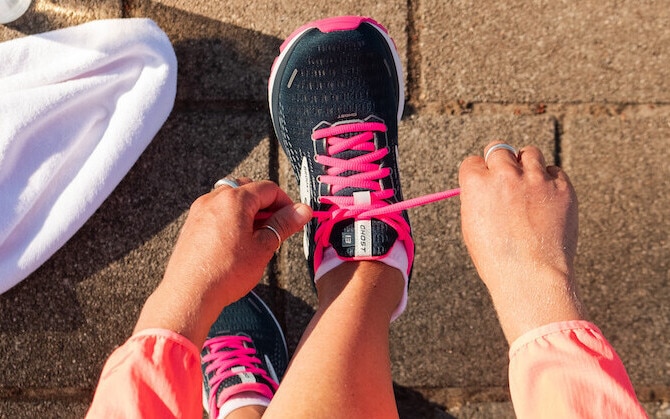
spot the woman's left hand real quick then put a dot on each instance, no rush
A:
(220, 255)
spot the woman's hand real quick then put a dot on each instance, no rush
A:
(519, 221)
(220, 255)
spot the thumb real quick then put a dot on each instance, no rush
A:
(286, 221)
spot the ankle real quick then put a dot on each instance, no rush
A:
(366, 284)
(247, 412)
(396, 260)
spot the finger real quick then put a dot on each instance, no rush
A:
(473, 163)
(559, 174)
(500, 154)
(531, 158)
(282, 225)
(472, 167)
(231, 183)
(244, 180)
(264, 240)
(554, 171)
(264, 195)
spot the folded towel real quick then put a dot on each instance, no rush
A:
(77, 108)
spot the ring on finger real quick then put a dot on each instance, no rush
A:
(501, 146)
(274, 230)
(226, 181)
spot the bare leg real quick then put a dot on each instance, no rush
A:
(342, 365)
(247, 412)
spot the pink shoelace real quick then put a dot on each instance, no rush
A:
(368, 176)
(228, 357)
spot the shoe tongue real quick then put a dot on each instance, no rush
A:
(362, 238)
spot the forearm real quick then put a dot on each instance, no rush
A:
(527, 302)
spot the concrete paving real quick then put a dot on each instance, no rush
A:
(588, 82)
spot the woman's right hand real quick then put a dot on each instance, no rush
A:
(519, 222)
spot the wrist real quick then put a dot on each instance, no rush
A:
(532, 303)
(186, 311)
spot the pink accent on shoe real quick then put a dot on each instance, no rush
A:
(332, 24)
(368, 176)
(227, 352)
(344, 23)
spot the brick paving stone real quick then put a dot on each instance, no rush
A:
(543, 51)
(225, 49)
(619, 166)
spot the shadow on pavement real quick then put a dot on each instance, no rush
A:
(413, 405)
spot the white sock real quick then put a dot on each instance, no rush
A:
(395, 258)
(246, 398)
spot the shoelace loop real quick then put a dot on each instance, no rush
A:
(230, 356)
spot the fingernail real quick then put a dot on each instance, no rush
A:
(302, 213)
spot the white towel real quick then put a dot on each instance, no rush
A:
(77, 108)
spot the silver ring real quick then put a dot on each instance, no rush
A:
(226, 181)
(274, 230)
(501, 146)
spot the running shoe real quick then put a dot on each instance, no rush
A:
(245, 350)
(336, 96)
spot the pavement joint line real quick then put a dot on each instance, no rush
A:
(456, 397)
(223, 105)
(273, 157)
(413, 73)
(460, 107)
(126, 9)
(274, 267)
(558, 133)
(653, 393)
(560, 110)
